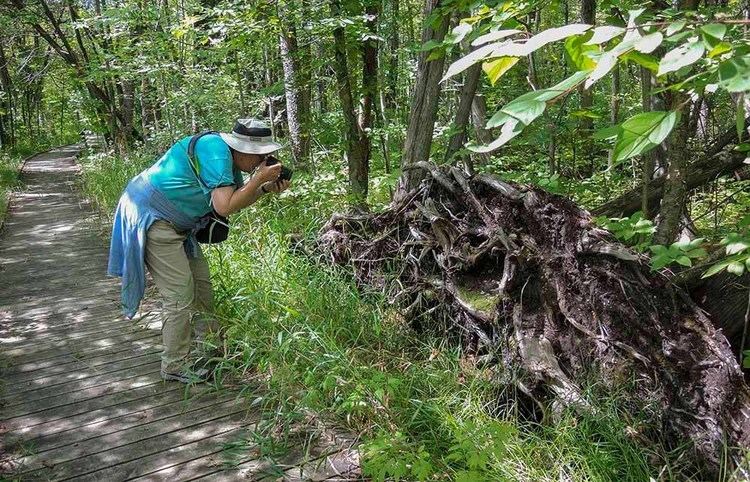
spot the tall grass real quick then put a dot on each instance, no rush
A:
(317, 345)
(10, 163)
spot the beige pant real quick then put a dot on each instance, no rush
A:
(185, 286)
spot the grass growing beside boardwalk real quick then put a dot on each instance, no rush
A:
(9, 173)
(319, 346)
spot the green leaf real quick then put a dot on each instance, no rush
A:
(568, 84)
(604, 34)
(470, 59)
(684, 55)
(695, 243)
(607, 133)
(734, 74)
(552, 35)
(510, 130)
(716, 30)
(493, 37)
(684, 261)
(497, 67)
(649, 43)
(431, 44)
(737, 246)
(662, 130)
(644, 60)
(577, 52)
(458, 33)
(676, 27)
(736, 268)
(643, 132)
(720, 48)
(520, 112)
(714, 269)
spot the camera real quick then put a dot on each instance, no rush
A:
(286, 173)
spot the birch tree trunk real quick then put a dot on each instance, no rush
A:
(296, 90)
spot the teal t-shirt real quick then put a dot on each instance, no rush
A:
(173, 176)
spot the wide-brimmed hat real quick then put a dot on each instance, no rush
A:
(251, 136)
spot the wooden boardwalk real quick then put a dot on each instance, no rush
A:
(81, 397)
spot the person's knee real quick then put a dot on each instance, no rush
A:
(179, 300)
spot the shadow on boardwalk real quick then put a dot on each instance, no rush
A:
(81, 395)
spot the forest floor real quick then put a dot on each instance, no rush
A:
(81, 394)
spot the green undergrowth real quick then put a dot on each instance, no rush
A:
(319, 348)
(10, 164)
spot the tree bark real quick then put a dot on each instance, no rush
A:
(424, 99)
(614, 107)
(586, 124)
(465, 102)
(357, 147)
(525, 280)
(675, 188)
(296, 90)
(6, 101)
(393, 47)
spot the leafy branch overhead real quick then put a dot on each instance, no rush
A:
(695, 55)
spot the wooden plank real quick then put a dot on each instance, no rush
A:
(120, 447)
(31, 399)
(60, 304)
(24, 336)
(182, 462)
(85, 363)
(53, 350)
(30, 388)
(65, 415)
(8, 320)
(29, 361)
(148, 410)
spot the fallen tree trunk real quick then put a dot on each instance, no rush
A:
(524, 277)
(699, 173)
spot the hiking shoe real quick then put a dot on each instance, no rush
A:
(186, 376)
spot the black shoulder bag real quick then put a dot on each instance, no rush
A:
(217, 229)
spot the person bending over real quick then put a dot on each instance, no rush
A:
(156, 220)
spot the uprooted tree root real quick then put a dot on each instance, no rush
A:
(525, 277)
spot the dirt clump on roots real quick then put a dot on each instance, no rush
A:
(525, 278)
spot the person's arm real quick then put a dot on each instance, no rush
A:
(228, 200)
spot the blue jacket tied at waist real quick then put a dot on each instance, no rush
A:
(140, 205)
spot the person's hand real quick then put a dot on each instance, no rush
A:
(278, 186)
(266, 173)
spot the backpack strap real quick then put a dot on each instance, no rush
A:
(193, 159)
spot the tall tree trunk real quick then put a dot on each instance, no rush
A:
(357, 148)
(297, 103)
(465, 101)
(424, 99)
(6, 101)
(369, 65)
(393, 47)
(675, 188)
(482, 134)
(614, 108)
(586, 125)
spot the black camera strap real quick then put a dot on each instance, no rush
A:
(206, 235)
(193, 159)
